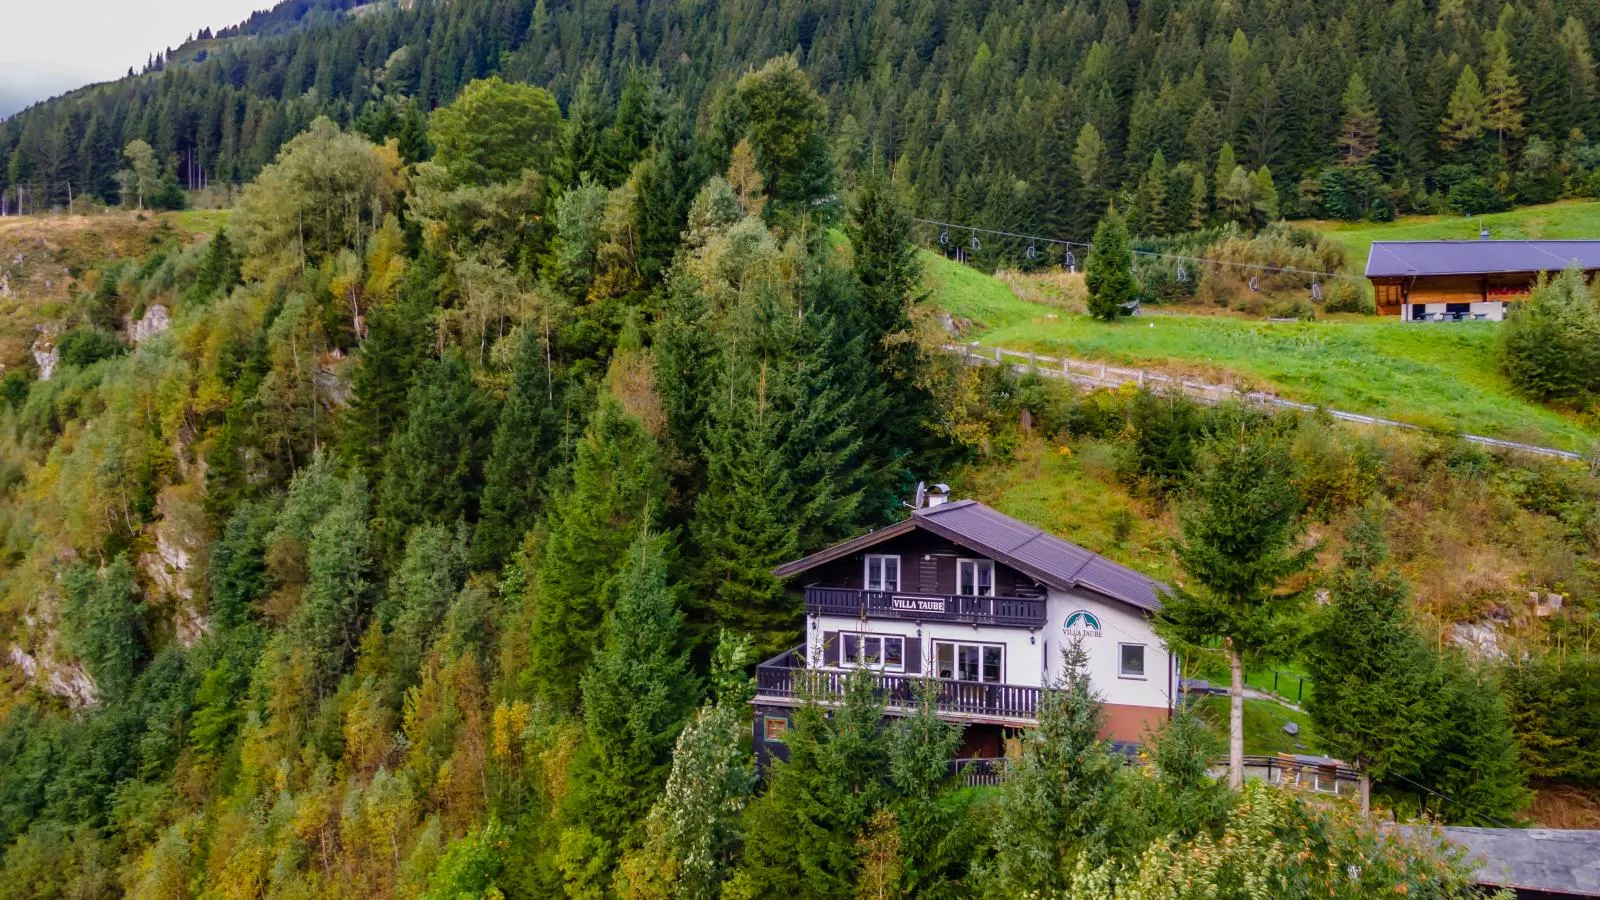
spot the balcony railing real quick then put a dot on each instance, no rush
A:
(784, 677)
(1025, 612)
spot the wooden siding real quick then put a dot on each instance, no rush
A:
(927, 565)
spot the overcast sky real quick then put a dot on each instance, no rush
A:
(53, 46)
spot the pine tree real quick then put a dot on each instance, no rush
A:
(637, 693)
(1375, 676)
(1149, 213)
(1109, 275)
(829, 391)
(586, 125)
(1467, 113)
(616, 491)
(743, 525)
(524, 455)
(937, 835)
(1240, 527)
(434, 467)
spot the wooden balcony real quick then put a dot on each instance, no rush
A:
(784, 680)
(1020, 612)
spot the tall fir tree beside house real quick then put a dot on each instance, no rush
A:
(1240, 543)
(638, 691)
(743, 525)
(1375, 677)
(617, 489)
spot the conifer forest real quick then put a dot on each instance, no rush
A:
(394, 469)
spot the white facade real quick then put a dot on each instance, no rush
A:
(1032, 657)
(1492, 310)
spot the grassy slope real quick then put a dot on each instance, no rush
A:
(1439, 377)
(1565, 219)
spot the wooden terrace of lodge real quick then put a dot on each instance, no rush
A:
(1461, 280)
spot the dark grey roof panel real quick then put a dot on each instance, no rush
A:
(1392, 259)
(1556, 861)
(1053, 561)
(1056, 562)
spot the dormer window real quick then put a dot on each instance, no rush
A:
(975, 577)
(883, 573)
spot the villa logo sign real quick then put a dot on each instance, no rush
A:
(1082, 623)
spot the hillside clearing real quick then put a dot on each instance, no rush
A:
(1440, 377)
(1564, 219)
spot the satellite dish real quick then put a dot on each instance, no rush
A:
(919, 499)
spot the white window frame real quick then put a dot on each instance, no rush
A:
(848, 660)
(883, 580)
(975, 564)
(1144, 656)
(955, 660)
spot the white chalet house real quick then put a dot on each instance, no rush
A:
(983, 605)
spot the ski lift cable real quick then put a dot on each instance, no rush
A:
(1179, 257)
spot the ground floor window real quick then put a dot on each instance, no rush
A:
(962, 661)
(874, 651)
(1130, 660)
(774, 728)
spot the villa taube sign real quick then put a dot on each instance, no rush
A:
(919, 604)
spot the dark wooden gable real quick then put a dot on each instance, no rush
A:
(927, 566)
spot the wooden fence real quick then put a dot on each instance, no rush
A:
(1102, 375)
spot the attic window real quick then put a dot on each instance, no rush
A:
(883, 573)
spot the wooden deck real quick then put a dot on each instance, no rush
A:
(785, 681)
(1022, 612)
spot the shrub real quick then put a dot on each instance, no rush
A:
(86, 346)
(1349, 295)
(1477, 195)
(1550, 344)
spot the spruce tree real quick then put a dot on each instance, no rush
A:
(1109, 275)
(888, 279)
(743, 525)
(1240, 533)
(328, 622)
(1375, 677)
(103, 625)
(617, 490)
(397, 338)
(801, 835)
(524, 455)
(1473, 772)
(434, 467)
(1057, 804)
(637, 693)
(420, 593)
(937, 835)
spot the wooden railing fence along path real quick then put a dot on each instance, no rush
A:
(1099, 374)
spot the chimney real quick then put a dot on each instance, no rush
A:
(939, 493)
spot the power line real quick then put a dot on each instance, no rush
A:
(1062, 242)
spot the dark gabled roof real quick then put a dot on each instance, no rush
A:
(1553, 861)
(1399, 259)
(1045, 557)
